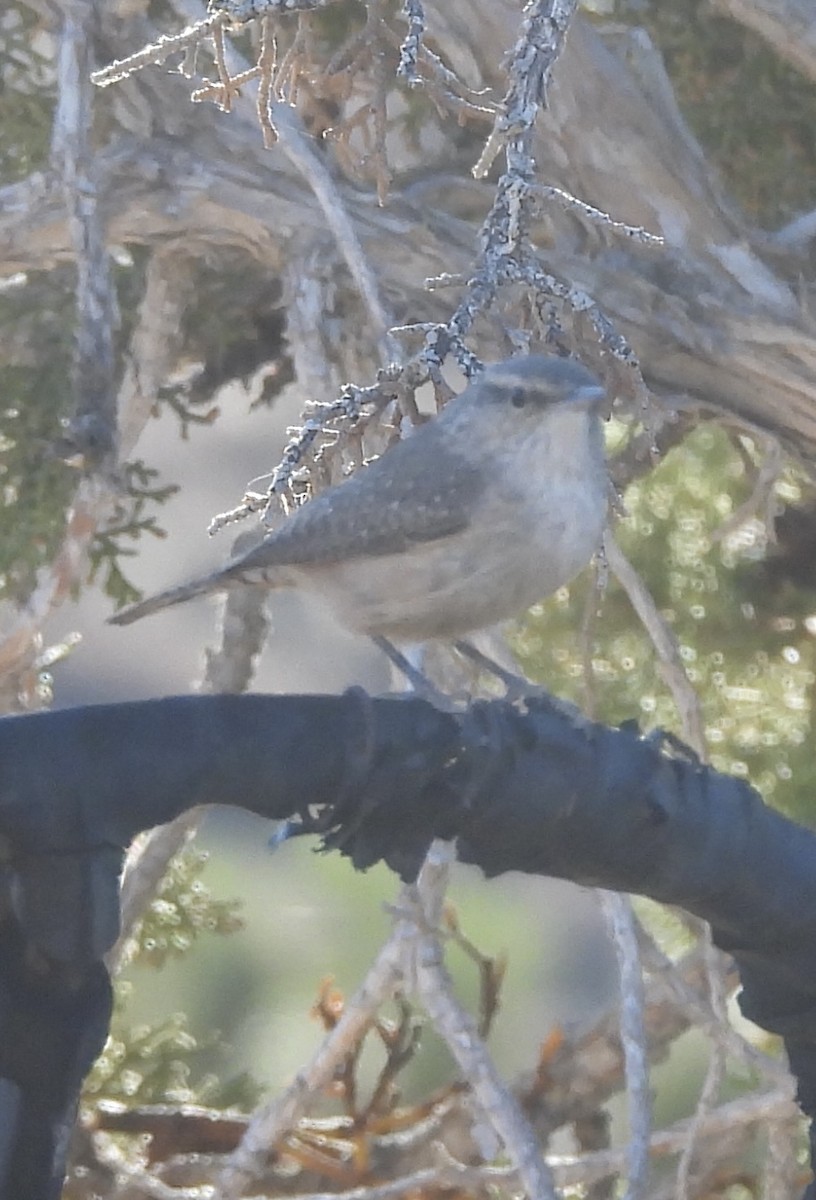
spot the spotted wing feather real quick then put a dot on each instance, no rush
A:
(377, 511)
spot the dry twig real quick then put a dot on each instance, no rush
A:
(664, 642)
(621, 921)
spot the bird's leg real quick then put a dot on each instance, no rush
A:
(517, 686)
(421, 685)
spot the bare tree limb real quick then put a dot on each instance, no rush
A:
(622, 923)
(665, 643)
(788, 26)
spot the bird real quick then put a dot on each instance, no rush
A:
(482, 511)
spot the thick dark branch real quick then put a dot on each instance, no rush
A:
(541, 791)
(77, 785)
(538, 790)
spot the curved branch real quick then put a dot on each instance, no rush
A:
(538, 790)
(788, 26)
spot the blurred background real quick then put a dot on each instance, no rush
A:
(668, 113)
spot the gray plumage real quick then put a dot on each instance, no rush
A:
(479, 513)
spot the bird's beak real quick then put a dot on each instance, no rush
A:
(589, 395)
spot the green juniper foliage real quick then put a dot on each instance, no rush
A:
(747, 637)
(27, 93)
(159, 1062)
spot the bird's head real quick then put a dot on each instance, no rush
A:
(538, 382)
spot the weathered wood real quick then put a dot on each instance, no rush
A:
(715, 316)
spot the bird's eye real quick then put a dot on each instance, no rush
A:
(518, 397)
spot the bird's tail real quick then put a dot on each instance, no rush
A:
(214, 582)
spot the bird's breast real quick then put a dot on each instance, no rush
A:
(557, 483)
(537, 524)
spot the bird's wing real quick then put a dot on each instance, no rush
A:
(398, 501)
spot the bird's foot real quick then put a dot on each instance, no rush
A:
(516, 686)
(420, 684)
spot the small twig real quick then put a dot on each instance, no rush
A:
(664, 642)
(157, 52)
(491, 970)
(376, 131)
(760, 502)
(579, 301)
(715, 1072)
(215, 90)
(348, 406)
(139, 1182)
(500, 1106)
(266, 69)
(299, 151)
(242, 11)
(617, 910)
(570, 203)
(702, 1016)
(569, 1171)
(219, 54)
(445, 87)
(432, 67)
(535, 54)
(272, 1120)
(412, 42)
(781, 1166)
(445, 280)
(748, 1110)
(252, 502)
(794, 236)
(145, 867)
(596, 589)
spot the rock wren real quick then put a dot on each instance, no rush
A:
(485, 509)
